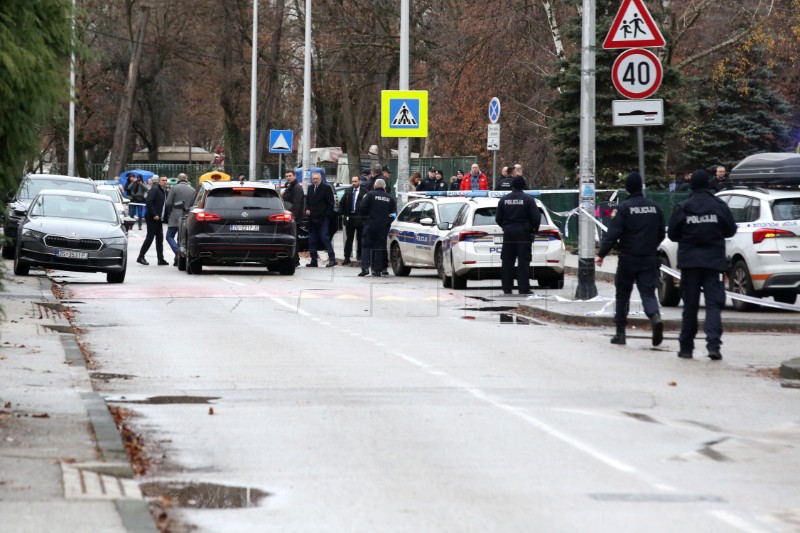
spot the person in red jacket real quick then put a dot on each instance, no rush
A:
(475, 180)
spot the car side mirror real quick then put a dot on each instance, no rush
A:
(126, 200)
(444, 226)
(10, 196)
(427, 221)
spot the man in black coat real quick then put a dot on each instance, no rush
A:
(520, 218)
(293, 195)
(377, 209)
(700, 226)
(353, 223)
(321, 210)
(637, 228)
(155, 209)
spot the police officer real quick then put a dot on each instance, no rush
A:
(506, 177)
(636, 230)
(377, 211)
(700, 226)
(519, 217)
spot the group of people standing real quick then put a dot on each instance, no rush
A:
(700, 226)
(474, 180)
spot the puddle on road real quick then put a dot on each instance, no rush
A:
(160, 400)
(203, 495)
(498, 308)
(107, 376)
(505, 318)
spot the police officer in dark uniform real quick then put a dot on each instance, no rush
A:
(428, 183)
(506, 177)
(637, 229)
(519, 217)
(377, 211)
(700, 226)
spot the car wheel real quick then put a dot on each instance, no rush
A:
(668, 293)
(551, 280)
(8, 251)
(194, 266)
(398, 266)
(181, 261)
(740, 283)
(786, 298)
(459, 282)
(21, 268)
(116, 277)
(287, 268)
(438, 256)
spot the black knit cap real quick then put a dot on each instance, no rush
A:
(518, 183)
(700, 180)
(633, 183)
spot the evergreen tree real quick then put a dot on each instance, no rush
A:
(35, 38)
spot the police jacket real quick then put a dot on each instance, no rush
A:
(504, 184)
(376, 210)
(427, 184)
(181, 192)
(518, 215)
(155, 202)
(637, 228)
(438, 185)
(352, 216)
(320, 202)
(293, 194)
(700, 226)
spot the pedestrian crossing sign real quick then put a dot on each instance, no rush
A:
(404, 113)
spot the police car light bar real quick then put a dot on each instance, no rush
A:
(470, 194)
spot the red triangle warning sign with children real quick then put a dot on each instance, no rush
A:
(633, 27)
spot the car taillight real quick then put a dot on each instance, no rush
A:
(286, 216)
(552, 233)
(768, 233)
(468, 235)
(204, 216)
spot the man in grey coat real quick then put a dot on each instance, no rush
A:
(181, 194)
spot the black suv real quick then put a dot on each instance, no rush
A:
(28, 188)
(234, 223)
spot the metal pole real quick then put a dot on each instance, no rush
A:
(280, 171)
(71, 142)
(586, 195)
(640, 135)
(494, 169)
(403, 152)
(307, 101)
(253, 92)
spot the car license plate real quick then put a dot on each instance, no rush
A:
(71, 254)
(244, 227)
(498, 239)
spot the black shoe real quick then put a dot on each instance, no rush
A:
(175, 261)
(658, 330)
(142, 261)
(685, 354)
(330, 264)
(313, 264)
(162, 262)
(363, 273)
(714, 355)
(384, 272)
(618, 339)
(376, 274)
(525, 292)
(346, 262)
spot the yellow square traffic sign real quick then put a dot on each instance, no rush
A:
(404, 113)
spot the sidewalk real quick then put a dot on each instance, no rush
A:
(62, 463)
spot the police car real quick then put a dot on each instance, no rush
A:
(763, 256)
(414, 234)
(471, 250)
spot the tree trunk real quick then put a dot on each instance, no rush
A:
(119, 149)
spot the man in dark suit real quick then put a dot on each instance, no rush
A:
(320, 210)
(353, 222)
(293, 195)
(155, 209)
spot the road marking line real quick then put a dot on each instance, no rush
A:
(290, 306)
(232, 282)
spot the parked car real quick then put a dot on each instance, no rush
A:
(763, 256)
(471, 249)
(74, 231)
(413, 239)
(233, 224)
(112, 191)
(28, 188)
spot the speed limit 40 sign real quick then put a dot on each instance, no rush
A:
(637, 73)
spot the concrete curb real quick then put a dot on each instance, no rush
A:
(790, 369)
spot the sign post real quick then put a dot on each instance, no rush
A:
(493, 136)
(404, 114)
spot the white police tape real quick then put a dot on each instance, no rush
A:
(742, 297)
(468, 194)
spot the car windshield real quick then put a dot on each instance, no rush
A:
(31, 187)
(448, 212)
(786, 209)
(243, 198)
(79, 207)
(484, 217)
(111, 193)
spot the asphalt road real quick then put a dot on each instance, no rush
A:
(392, 404)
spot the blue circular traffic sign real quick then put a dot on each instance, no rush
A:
(494, 110)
